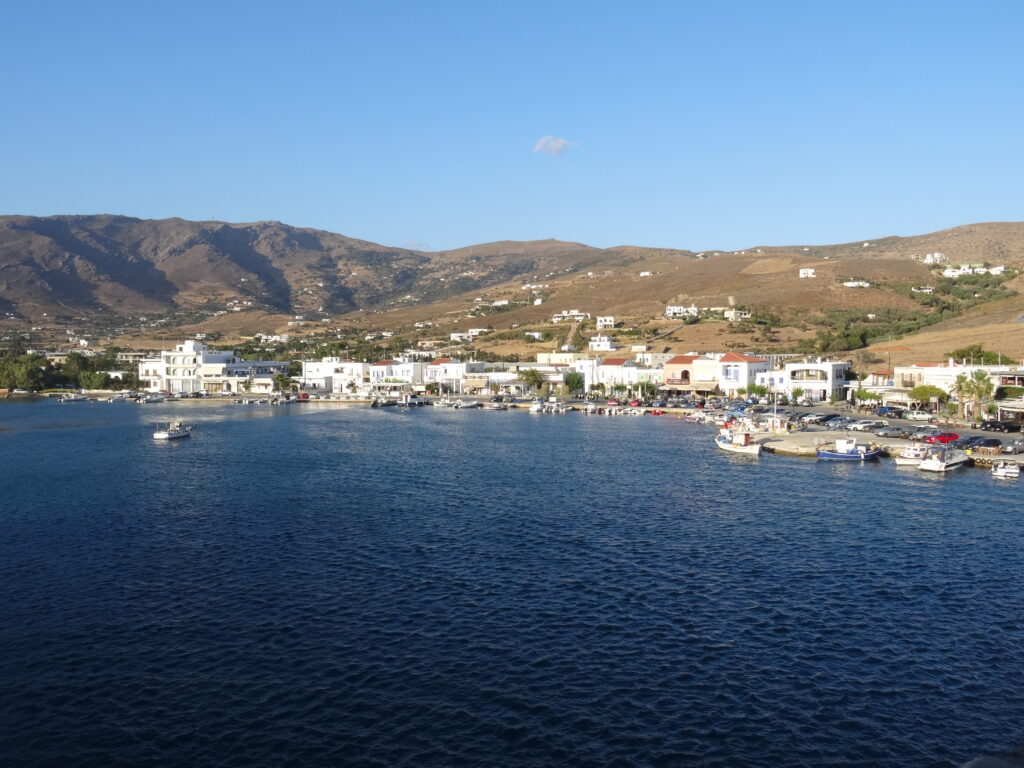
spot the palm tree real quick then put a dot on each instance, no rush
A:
(960, 388)
(980, 390)
(532, 378)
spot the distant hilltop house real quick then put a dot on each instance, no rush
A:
(645, 273)
(807, 272)
(570, 314)
(673, 310)
(500, 303)
(934, 258)
(735, 315)
(972, 269)
(601, 343)
(857, 284)
(923, 289)
(605, 321)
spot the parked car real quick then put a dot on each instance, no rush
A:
(613, 401)
(888, 410)
(942, 437)
(918, 416)
(919, 432)
(968, 441)
(988, 442)
(889, 432)
(1000, 426)
(867, 425)
(1014, 446)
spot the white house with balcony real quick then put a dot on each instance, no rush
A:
(819, 380)
(605, 321)
(806, 272)
(451, 374)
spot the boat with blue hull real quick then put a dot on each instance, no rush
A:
(848, 449)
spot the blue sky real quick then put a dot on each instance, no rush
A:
(685, 124)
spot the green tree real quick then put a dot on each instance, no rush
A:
(798, 393)
(923, 393)
(976, 354)
(574, 381)
(282, 382)
(531, 377)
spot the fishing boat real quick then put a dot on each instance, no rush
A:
(1007, 470)
(943, 460)
(848, 449)
(173, 430)
(911, 455)
(737, 442)
(72, 398)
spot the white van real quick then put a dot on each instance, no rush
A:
(918, 416)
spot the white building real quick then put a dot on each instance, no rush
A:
(737, 371)
(333, 374)
(735, 315)
(605, 321)
(570, 314)
(675, 310)
(806, 272)
(819, 380)
(601, 343)
(451, 374)
(857, 284)
(934, 258)
(194, 367)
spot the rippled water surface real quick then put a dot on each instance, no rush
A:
(312, 585)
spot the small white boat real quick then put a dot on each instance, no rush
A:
(173, 431)
(149, 399)
(495, 406)
(911, 455)
(537, 406)
(943, 460)
(72, 399)
(1008, 470)
(737, 442)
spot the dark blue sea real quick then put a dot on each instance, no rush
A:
(313, 585)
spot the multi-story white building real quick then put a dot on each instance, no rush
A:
(737, 371)
(194, 367)
(819, 380)
(451, 374)
(605, 321)
(806, 272)
(333, 374)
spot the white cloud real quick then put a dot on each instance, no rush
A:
(552, 145)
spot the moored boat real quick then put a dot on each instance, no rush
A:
(1007, 470)
(911, 455)
(737, 442)
(943, 460)
(848, 449)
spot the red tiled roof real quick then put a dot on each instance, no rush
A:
(682, 360)
(384, 362)
(615, 361)
(736, 357)
(442, 361)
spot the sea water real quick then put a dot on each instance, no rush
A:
(315, 585)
